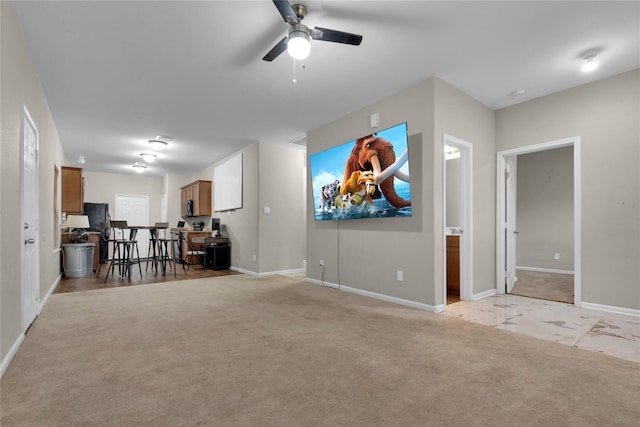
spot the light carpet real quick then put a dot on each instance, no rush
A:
(275, 351)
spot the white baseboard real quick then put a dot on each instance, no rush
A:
(395, 300)
(485, 294)
(611, 309)
(275, 273)
(11, 354)
(544, 270)
(243, 271)
(44, 300)
(268, 273)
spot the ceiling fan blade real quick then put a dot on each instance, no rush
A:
(276, 50)
(286, 11)
(337, 36)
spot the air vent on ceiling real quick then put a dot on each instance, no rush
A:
(300, 140)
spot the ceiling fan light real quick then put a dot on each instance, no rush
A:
(299, 45)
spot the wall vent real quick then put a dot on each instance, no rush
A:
(300, 140)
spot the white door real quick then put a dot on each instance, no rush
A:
(135, 210)
(510, 230)
(30, 264)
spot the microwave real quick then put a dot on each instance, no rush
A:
(188, 208)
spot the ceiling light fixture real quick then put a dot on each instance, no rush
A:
(139, 167)
(299, 44)
(590, 63)
(81, 160)
(148, 157)
(159, 143)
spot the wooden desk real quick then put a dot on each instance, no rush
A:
(190, 235)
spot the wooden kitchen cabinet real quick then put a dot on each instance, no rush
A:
(453, 265)
(72, 190)
(200, 193)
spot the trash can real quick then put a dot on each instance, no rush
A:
(78, 259)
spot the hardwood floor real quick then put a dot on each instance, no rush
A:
(92, 282)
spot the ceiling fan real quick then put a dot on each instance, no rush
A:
(298, 42)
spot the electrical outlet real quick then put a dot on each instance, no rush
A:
(254, 257)
(321, 263)
(400, 275)
(556, 256)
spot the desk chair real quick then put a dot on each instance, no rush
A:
(193, 252)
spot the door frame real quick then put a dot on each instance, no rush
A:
(510, 225)
(577, 212)
(29, 313)
(466, 238)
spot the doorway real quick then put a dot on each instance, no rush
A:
(457, 219)
(134, 210)
(539, 195)
(30, 265)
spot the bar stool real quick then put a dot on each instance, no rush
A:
(154, 250)
(125, 249)
(168, 250)
(105, 236)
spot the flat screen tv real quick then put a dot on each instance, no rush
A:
(364, 178)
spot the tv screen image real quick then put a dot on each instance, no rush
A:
(364, 178)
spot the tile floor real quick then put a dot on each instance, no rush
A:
(617, 335)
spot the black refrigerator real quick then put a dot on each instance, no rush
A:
(98, 212)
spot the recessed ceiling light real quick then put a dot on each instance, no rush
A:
(148, 157)
(518, 92)
(590, 63)
(81, 160)
(139, 167)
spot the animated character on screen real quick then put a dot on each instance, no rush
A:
(376, 154)
(328, 195)
(360, 187)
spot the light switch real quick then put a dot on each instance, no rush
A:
(375, 120)
(266, 210)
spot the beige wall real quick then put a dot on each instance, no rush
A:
(604, 114)
(369, 252)
(242, 224)
(20, 87)
(461, 116)
(101, 187)
(171, 187)
(281, 189)
(272, 176)
(366, 253)
(544, 212)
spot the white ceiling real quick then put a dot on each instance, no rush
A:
(118, 73)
